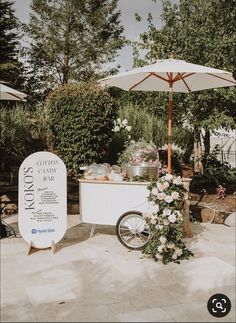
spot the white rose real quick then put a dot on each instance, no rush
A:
(177, 213)
(117, 128)
(174, 256)
(161, 196)
(158, 256)
(154, 191)
(179, 216)
(172, 218)
(166, 212)
(118, 120)
(128, 128)
(153, 219)
(157, 208)
(168, 177)
(175, 195)
(159, 226)
(180, 219)
(160, 249)
(177, 181)
(166, 185)
(146, 215)
(178, 252)
(166, 222)
(170, 245)
(125, 122)
(163, 240)
(160, 187)
(168, 199)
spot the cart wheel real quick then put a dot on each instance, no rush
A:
(132, 230)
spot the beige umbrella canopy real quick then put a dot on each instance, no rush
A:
(170, 75)
(9, 94)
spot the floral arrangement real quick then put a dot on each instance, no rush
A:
(166, 237)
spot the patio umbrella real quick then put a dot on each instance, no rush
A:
(7, 93)
(171, 75)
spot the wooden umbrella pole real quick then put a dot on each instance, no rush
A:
(170, 128)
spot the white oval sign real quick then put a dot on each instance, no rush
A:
(42, 199)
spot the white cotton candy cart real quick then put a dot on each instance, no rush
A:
(121, 204)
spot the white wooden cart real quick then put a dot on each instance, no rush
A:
(117, 203)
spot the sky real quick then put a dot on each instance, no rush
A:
(132, 29)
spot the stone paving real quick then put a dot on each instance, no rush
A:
(98, 280)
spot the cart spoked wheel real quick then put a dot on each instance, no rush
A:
(132, 230)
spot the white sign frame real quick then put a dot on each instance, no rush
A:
(42, 200)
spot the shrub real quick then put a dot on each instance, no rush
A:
(81, 118)
(140, 120)
(22, 132)
(151, 128)
(215, 173)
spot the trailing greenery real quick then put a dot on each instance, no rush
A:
(22, 132)
(166, 242)
(81, 119)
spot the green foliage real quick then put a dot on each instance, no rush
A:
(166, 237)
(201, 32)
(215, 173)
(71, 40)
(81, 119)
(120, 140)
(10, 67)
(21, 133)
(146, 125)
(141, 122)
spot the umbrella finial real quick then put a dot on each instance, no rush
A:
(171, 55)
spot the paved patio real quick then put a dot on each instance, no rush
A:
(98, 280)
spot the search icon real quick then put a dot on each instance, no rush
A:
(219, 305)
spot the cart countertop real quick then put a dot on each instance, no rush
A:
(94, 181)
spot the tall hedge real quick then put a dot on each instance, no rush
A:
(22, 132)
(81, 118)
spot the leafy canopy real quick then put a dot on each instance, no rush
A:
(71, 40)
(9, 44)
(201, 32)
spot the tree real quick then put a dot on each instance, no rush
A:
(10, 67)
(201, 32)
(71, 40)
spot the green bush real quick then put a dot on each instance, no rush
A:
(140, 120)
(214, 173)
(151, 128)
(22, 132)
(81, 118)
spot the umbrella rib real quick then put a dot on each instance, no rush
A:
(222, 78)
(160, 77)
(181, 77)
(168, 75)
(14, 95)
(136, 84)
(146, 77)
